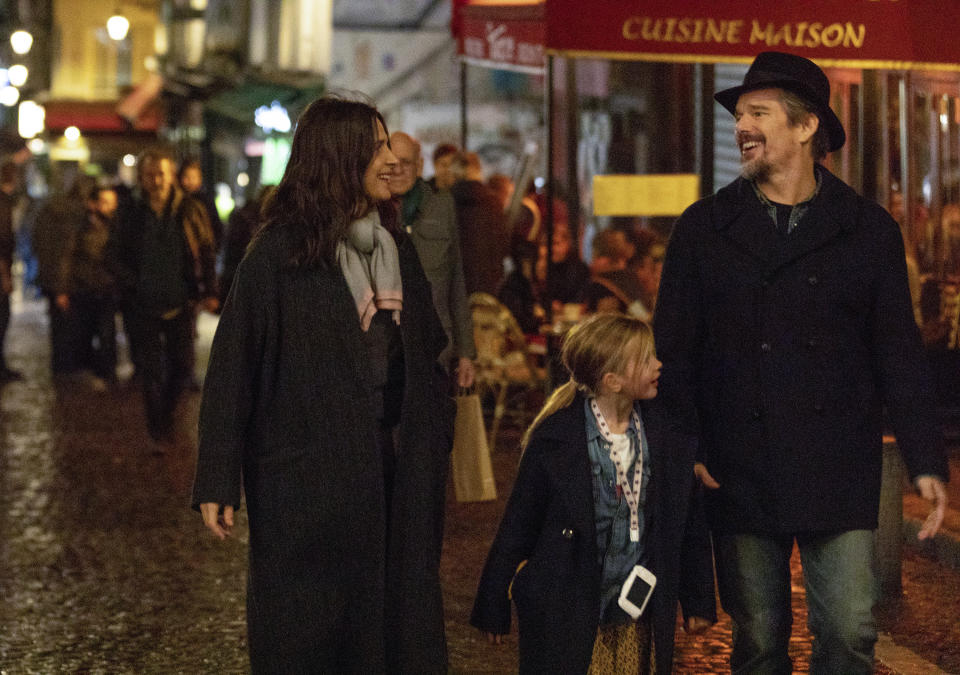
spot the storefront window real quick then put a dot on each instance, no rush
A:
(923, 133)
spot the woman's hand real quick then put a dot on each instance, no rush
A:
(220, 525)
(493, 638)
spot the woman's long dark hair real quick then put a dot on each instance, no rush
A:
(321, 191)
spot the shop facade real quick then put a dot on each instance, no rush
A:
(629, 91)
(237, 75)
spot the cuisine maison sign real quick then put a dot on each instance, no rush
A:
(858, 33)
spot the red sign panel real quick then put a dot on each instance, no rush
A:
(508, 37)
(864, 33)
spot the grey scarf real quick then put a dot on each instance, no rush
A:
(370, 263)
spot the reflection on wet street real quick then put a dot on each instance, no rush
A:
(103, 567)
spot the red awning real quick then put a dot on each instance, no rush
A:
(864, 34)
(139, 102)
(875, 34)
(98, 117)
(507, 37)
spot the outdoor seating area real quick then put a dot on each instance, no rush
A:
(510, 372)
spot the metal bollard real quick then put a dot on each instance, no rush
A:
(889, 536)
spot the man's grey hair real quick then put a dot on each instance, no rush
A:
(797, 108)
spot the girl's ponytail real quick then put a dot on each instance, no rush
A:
(561, 397)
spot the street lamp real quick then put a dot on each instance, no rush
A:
(9, 96)
(117, 26)
(17, 75)
(21, 41)
(31, 119)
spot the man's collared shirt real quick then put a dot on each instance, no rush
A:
(796, 212)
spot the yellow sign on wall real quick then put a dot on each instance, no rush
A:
(648, 195)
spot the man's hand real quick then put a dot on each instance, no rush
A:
(221, 526)
(931, 488)
(708, 481)
(695, 625)
(465, 373)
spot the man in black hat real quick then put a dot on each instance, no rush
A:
(784, 323)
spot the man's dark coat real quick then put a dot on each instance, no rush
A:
(549, 521)
(128, 247)
(287, 405)
(787, 347)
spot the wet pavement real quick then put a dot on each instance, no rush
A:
(105, 569)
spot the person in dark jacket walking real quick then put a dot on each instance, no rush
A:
(190, 178)
(163, 264)
(86, 288)
(484, 237)
(784, 322)
(429, 216)
(323, 397)
(605, 483)
(241, 227)
(8, 186)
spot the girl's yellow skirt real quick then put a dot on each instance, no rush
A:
(623, 648)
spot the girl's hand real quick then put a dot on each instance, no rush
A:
(493, 638)
(695, 625)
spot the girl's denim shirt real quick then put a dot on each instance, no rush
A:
(617, 555)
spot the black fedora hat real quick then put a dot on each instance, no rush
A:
(777, 70)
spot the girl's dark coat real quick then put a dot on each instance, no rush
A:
(286, 406)
(549, 521)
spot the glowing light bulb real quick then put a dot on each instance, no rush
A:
(18, 75)
(117, 27)
(9, 96)
(21, 41)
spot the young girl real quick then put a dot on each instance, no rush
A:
(605, 483)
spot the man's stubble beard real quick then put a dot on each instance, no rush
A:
(757, 170)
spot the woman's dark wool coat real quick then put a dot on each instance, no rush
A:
(788, 347)
(286, 405)
(549, 521)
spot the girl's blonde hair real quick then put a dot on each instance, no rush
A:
(603, 343)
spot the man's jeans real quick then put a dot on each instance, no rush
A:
(754, 579)
(161, 346)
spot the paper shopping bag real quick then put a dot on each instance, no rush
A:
(472, 471)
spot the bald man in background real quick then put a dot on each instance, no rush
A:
(429, 217)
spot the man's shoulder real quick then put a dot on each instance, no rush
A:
(437, 198)
(189, 206)
(437, 207)
(714, 209)
(849, 205)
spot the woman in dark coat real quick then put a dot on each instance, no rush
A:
(321, 394)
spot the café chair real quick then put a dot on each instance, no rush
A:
(506, 366)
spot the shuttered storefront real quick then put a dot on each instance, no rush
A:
(726, 156)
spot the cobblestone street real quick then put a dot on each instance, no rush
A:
(105, 569)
